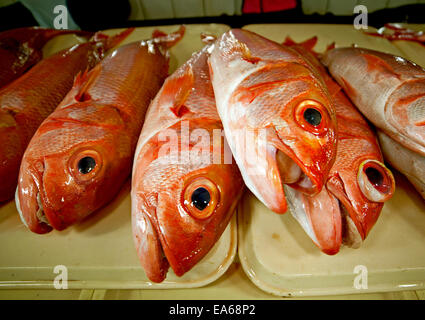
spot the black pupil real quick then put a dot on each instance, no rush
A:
(375, 177)
(86, 164)
(312, 116)
(201, 198)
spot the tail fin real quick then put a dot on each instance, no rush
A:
(207, 38)
(112, 41)
(330, 47)
(168, 40)
(308, 44)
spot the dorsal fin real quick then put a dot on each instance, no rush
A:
(82, 83)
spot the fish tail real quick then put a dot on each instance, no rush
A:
(208, 38)
(330, 47)
(168, 40)
(112, 41)
(308, 44)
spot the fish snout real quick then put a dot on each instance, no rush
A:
(376, 181)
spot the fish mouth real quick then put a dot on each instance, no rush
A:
(330, 218)
(147, 240)
(29, 204)
(294, 175)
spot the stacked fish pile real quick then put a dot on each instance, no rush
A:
(291, 125)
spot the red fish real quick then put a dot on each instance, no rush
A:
(358, 183)
(28, 100)
(181, 205)
(81, 155)
(276, 113)
(20, 49)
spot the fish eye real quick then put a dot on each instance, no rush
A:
(313, 116)
(375, 181)
(86, 164)
(200, 198)
(374, 176)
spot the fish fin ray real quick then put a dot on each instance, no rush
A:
(82, 83)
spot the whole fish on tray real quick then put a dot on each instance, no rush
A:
(390, 92)
(358, 183)
(28, 100)
(276, 113)
(21, 48)
(184, 186)
(81, 155)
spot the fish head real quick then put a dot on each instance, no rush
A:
(70, 169)
(291, 115)
(362, 184)
(182, 202)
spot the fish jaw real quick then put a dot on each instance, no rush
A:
(146, 240)
(259, 168)
(28, 200)
(362, 211)
(165, 222)
(319, 216)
